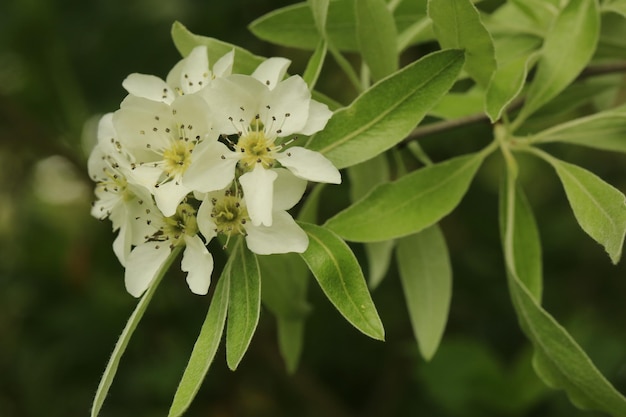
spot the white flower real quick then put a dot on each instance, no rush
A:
(261, 111)
(226, 212)
(188, 76)
(161, 138)
(117, 197)
(147, 259)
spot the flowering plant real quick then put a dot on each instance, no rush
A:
(225, 146)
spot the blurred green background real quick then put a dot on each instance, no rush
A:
(62, 297)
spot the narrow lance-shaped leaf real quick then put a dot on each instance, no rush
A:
(599, 208)
(129, 329)
(205, 347)
(319, 8)
(410, 204)
(315, 64)
(604, 130)
(387, 112)
(568, 47)
(245, 62)
(339, 274)
(426, 277)
(244, 306)
(559, 360)
(457, 25)
(377, 37)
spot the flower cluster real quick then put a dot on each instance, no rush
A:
(203, 153)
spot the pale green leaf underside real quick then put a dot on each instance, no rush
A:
(599, 207)
(408, 205)
(339, 274)
(604, 130)
(568, 47)
(387, 112)
(558, 360)
(457, 25)
(205, 347)
(426, 277)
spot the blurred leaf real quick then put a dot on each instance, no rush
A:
(599, 207)
(310, 208)
(525, 242)
(616, 6)
(515, 57)
(315, 64)
(377, 37)
(387, 112)
(319, 8)
(410, 204)
(244, 63)
(284, 293)
(603, 130)
(206, 346)
(558, 360)
(339, 275)
(542, 12)
(454, 105)
(378, 260)
(244, 306)
(129, 329)
(426, 277)
(568, 47)
(457, 25)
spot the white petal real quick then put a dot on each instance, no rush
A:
(309, 165)
(106, 131)
(145, 175)
(122, 244)
(191, 74)
(143, 265)
(234, 102)
(282, 237)
(224, 66)
(205, 222)
(168, 196)
(288, 104)
(319, 114)
(208, 170)
(148, 86)
(271, 71)
(143, 124)
(193, 113)
(258, 190)
(288, 189)
(198, 263)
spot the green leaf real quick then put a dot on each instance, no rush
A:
(205, 347)
(294, 26)
(387, 112)
(525, 242)
(284, 293)
(615, 6)
(558, 360)
(245, 62)
(245, 304)
(377, 37)
(599, 207)
(457, 25)
(129, 329)
(315, 64)
(319, 8)
(455, 105)
(568, 47)
(339, 274)
(378, 260)
(408, 205)
(509, 78)
(542, 12)
(426, 277)
(604, 130)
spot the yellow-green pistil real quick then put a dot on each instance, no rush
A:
(256, 148)
(229, 215)
(180, 224)
(177, 158)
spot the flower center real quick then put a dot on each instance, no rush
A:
(229, 215)
(256, 148)
(180, 224)
(177, 158)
